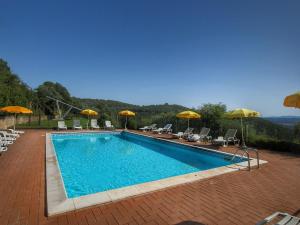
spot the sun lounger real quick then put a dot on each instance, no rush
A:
(3, 149)
(76, 125)
(149, 128)
(228, 138)
(165, 129)
(94, 124)
(203, 135)
(6, 141)
(158, 131)
(284, 219)
(16, 131)
(61, 125)
(3, 146)
(108, 125)
(9, 136)
(185, 134)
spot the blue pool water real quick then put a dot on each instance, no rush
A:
(95, 162)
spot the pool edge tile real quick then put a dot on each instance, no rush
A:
(124, 192)
(58, 207)
(92, 199)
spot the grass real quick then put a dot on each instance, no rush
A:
(50, 124)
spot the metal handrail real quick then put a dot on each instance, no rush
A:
(245, 149)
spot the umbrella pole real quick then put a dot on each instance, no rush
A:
(126, 123)
(188, 123)
(87, 124)
(243, 141)
(15, 120)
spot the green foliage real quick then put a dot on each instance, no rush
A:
(52, 124)
(12, 90)
(258, 129)
(102, 118)
(226, 124)
(273, 144)
(297, 132)
(162, 119)
(212, 115)
(54, 90)
(267, 128)
(131, 123)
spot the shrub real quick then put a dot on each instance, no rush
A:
(275, 145)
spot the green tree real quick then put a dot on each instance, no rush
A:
(54, 90)
(13, 91)
(211, 116)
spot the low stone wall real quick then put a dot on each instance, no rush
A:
(8, 121)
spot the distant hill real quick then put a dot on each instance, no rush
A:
(146, 114)
(115, 106)
(289, 121)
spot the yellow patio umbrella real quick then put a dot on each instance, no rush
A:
(88, 112)
(188, 115)
(292, 100)
(16, 110)
(126, 113)
(241, 113)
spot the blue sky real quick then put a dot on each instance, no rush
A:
(241, 53)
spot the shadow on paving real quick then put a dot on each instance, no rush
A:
(188, 222)
(297, 213)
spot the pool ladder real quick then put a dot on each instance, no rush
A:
(245, 151)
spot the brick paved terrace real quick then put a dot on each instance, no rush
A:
(240, 197)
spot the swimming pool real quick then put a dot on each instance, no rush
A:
(99, 162)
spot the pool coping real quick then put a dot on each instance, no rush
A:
(57, 201)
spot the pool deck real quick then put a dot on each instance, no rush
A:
(240, 197)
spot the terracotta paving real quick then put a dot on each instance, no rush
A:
(241, 197)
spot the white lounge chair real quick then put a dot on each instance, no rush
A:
(76, 125)
(6, 141)
(158, 130)
(148, 128)
(284, 219)
(61, 125)
(108, 125)
(8, 136)
(203, 135)
(94, 124)
(16, 131)
(229, 137)
(185, 134)
(3, 149)
(165, 129)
